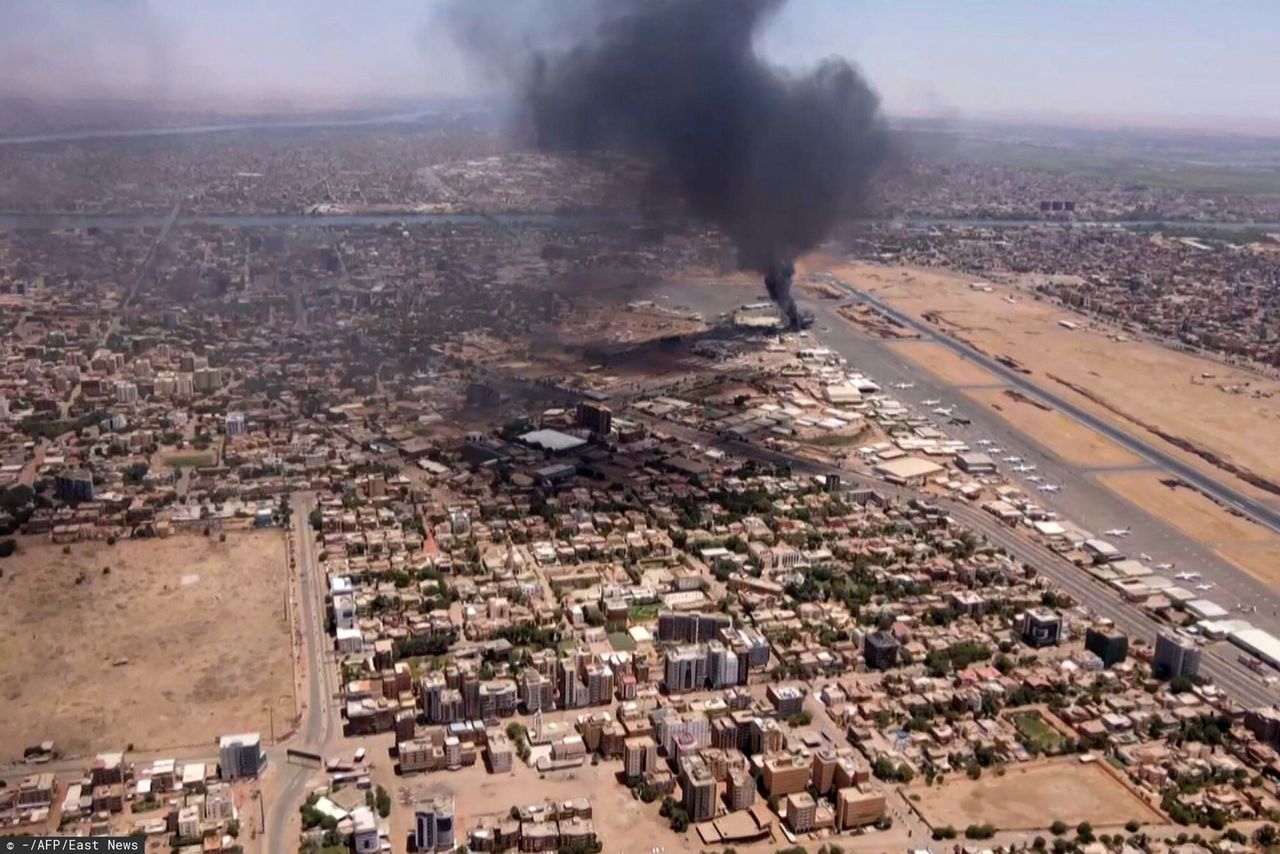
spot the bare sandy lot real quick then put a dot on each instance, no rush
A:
(944, 364)
(617, 816)
(1065, 436)
(201, 624)
(1247, 545)
(1135, 384)
(1033, 796)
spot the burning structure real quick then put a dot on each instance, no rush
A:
(772, 158)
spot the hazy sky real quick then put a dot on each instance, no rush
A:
(1143, 59)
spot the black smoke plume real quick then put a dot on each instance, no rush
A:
(771, 158)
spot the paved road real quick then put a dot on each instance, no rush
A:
(1259, 511)
(321, 725)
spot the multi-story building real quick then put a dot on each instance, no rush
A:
(802, 809)
(854, 808)
(599, 683)
(722, 665)
(1041, 627)
(498, 748)
(880, 650)
(788, 700)
(235, 424)
(1109, 644)
(785, 774)
(73, 485)
(823, 773)
(640, 755)
(240, 755)
(596, 417)
(1175, 656)
(741, 792)
(691, 626)
(537, 692)
(686, 670)
(698, 789)
(498, 699)
(433, 824)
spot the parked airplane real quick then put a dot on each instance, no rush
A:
(1186, 576)
(1144, 556)
(943, 410)
(904, 385)
(984, 442)
(933, 401)
(1204, 586)
(1035, 478)
(1013, 459)
(1051, 487)
(995, 449)
(1164, 566)
(1024, 468)
(1119, 532)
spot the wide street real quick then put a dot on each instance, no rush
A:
(320, 727)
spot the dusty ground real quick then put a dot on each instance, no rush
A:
(1034, 795)
(1065, 436)
(617, 816)
(1132, 383)
(1242, 542)
(201, 624)
(944, 364)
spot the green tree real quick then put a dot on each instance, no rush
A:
(383, 802)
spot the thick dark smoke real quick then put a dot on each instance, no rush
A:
(771, 158)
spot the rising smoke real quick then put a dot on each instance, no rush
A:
(772, 158)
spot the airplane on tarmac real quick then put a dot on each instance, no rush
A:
(944, 410)
(1204, 586)
(933, 401)
(904, 385)
(1024, 468)
(984, 442)
(1164, 566)
(1050, 487)
(1013, 459)
(1035, 478)
(1187, 576)
(1119, 532)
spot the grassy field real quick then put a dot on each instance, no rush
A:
(1036, 734)
(190, 459)
(621, 641)
(643, 613)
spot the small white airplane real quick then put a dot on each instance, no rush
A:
(996, 449)
(1144, 556)
(984, 442)
(1050, 487)
(1013, 459)
(1035, 478)
(1204, 586)
(1164, 566)
(1186, 576)
(904, 385)
(943, 410)
(933, 401)
(1024, 468)
(1119, 532)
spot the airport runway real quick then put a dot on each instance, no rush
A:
(1083, 500)
(1259, 511)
